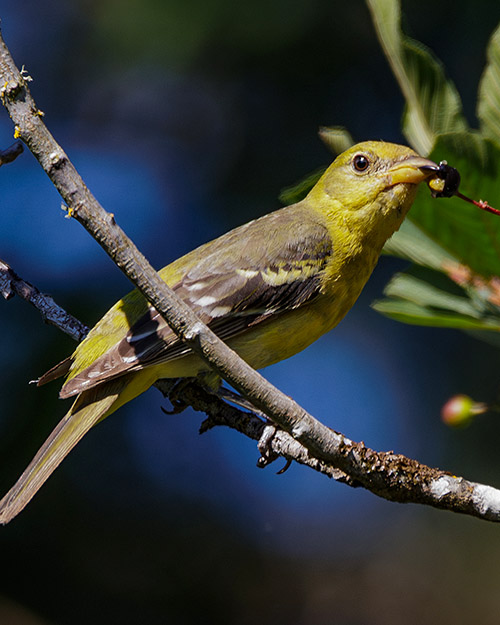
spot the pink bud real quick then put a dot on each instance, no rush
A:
(460, 410)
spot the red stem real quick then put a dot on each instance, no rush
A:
(481, 204)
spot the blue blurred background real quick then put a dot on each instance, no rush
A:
(186, 118)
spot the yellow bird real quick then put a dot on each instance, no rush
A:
(268, 288)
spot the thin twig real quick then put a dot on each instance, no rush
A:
(11, 153)
(386, 474)
(11, 284)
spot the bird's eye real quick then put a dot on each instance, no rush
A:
(360, 162)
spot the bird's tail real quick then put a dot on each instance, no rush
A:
(88, 409)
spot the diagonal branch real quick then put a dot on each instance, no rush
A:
(11, 153)
(388, 475)
(11, 284)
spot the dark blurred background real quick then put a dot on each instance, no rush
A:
(186, 118)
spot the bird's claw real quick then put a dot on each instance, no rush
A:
(284, 468)
(268, 455)
(174, 396)
(178, 406)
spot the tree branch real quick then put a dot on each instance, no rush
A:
(11, 284)
(11, 153)
(388, 475)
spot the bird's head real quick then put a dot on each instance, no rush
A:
(372, 185)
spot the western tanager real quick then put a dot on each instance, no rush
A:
(269, 288)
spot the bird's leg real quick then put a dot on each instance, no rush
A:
(174, 395)
(235, 398)
(264, 445)
(268, 455)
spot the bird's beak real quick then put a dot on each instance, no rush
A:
(411, 170)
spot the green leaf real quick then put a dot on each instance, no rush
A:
(488, 109)
(433, 290)
(469, 234)
(409, 312)
(336, 138)
(433, 105)
(298, 191)
(426, 297)
(411, 243)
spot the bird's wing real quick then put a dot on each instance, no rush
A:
(244, 278)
